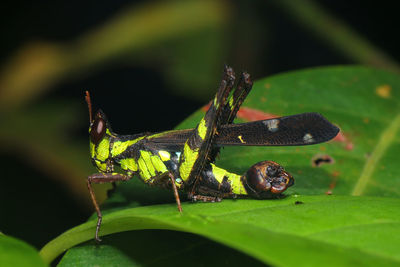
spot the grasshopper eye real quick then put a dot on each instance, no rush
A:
(98, 130)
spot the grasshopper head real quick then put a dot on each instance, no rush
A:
(100, 136)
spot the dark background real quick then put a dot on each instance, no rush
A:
(136, 90)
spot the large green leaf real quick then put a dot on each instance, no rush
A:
(14, 252)
(172, 247)
(358, 227)
(321, 229)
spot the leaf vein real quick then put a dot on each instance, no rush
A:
(384, 142)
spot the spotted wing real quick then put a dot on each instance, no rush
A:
(295, 130)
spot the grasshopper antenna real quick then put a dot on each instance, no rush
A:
(89, 103)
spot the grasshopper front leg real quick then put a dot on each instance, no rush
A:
(100, 178)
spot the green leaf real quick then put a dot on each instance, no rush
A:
(357, 225)
(277, 232)
(14, 252)
(172, 247)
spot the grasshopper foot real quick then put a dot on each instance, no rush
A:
(196, 198)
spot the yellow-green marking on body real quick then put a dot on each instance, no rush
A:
(231, 102)
(161, 134)
(236, 185)
(146, 168)
(92, 149)
(103, 149)
(219, 173)
(158, 164)
(164, 155)
(101, 166)
(129, 164)
(121, 146)
(202, 128)
(189, 157)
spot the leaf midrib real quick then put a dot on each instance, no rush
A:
(385, 140)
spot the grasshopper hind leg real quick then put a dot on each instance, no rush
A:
(100, 178)
(197, 151)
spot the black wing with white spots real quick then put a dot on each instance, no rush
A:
(295, 130)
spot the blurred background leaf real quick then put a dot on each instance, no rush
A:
(133, 31)
(148, 65)
(14, 252)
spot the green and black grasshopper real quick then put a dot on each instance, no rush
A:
(184, 159)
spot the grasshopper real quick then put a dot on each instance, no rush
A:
(184, 160)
